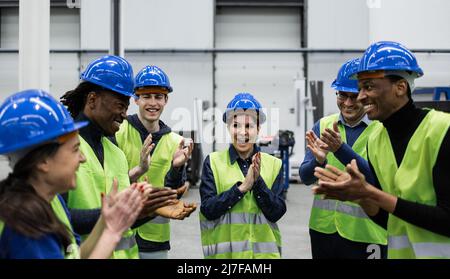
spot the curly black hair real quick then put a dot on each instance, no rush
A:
(75, 100)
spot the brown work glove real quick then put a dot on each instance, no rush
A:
(177, 211)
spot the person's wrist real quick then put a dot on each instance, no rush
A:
(320, 161)
(142, 169)
(113, 236)
(369, 192)
(243, 188)
(177, 166)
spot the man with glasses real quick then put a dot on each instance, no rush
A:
(341, 230)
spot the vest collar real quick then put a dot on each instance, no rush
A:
(364, 120)
(137, 124)
(403, 120)
(234, 155)
(91, 132)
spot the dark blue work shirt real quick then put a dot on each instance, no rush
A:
(344, 154)
(14, 245)
(270, 201)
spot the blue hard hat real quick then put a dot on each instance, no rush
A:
(111, 72)
(343, 81)
(389, 56)
(33, 117)
(244, 101)
(152, 76)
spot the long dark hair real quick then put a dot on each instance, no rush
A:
(75, 100)
(22, 209)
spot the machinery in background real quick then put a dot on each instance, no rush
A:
(436, 103)
(280, 146)
(194, 164)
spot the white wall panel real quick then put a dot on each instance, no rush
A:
(9, 74)
(268, 76)
(9, 62)
(64, 28)
(415, 23)
(63, 73)
(168, 23)
(95, 24)
(257, 28)
(338, 24)
(191, 78)
(64, 34)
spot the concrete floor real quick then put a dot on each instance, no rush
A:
(186, 234)
(185, 239)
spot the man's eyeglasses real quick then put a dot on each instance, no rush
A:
(343, 96)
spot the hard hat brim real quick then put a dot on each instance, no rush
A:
(43, 139)
(230, 113)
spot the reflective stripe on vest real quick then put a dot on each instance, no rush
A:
(330, 216)
(94, 179)
(237, 218)
(355, 211)
(73, 251)
(243, 231)
(421, 249)
(412, 181)
(129, 140)
(126, 243)
(226, 247)
(239, 247)
(160, 220)
(325, 204)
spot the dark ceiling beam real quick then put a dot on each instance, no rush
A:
(15, 3)
(259, 3)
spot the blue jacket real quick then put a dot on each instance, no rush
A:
(14, 245)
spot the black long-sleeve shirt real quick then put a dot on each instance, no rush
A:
(270, 201)
(401, 127)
